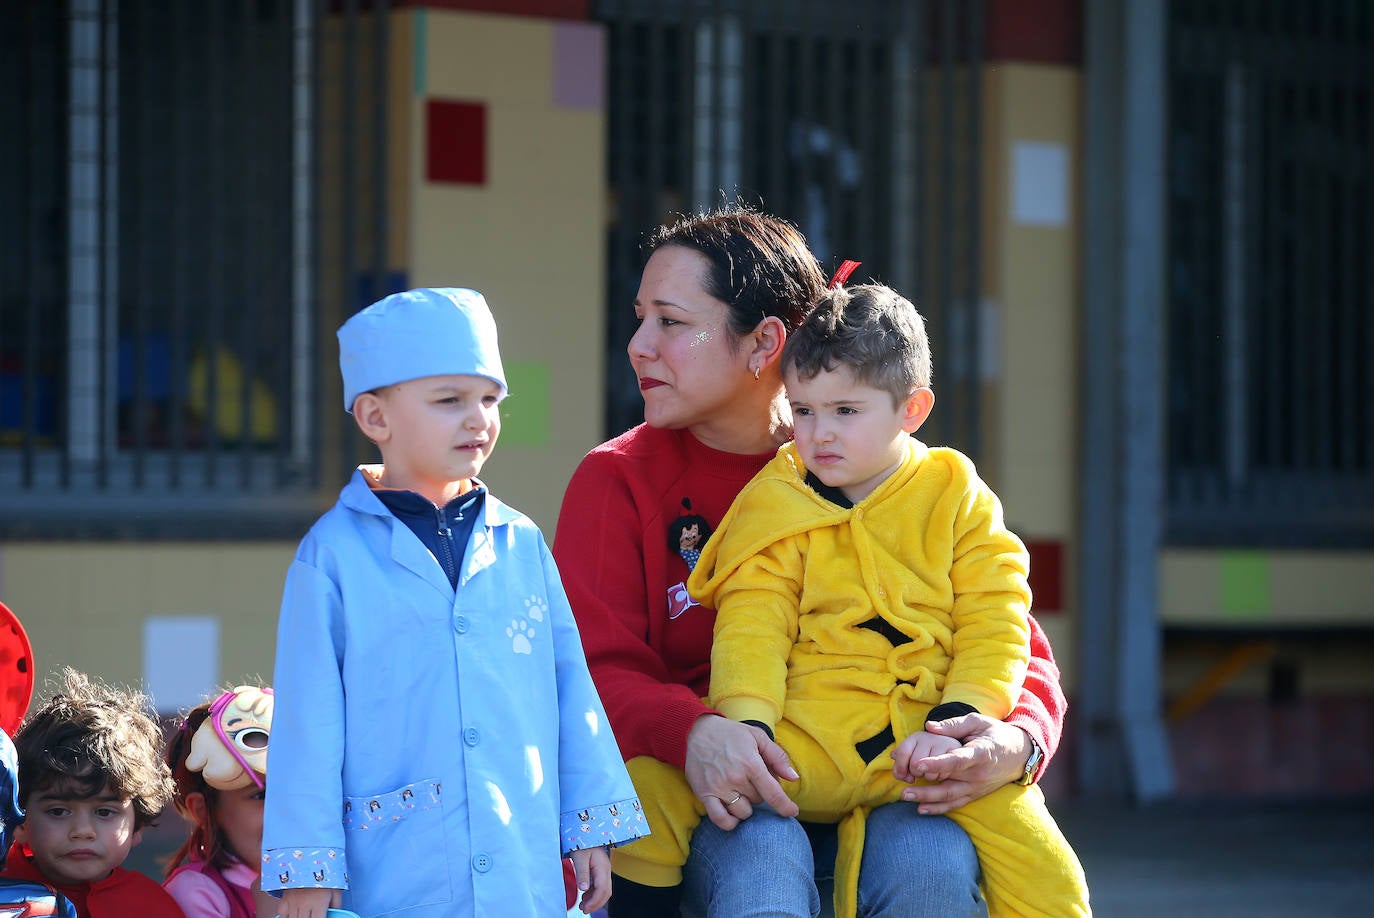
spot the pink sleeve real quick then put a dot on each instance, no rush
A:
(197, 894)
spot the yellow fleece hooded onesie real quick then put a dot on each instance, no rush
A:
(841, 628)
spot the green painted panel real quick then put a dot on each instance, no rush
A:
(525, 412)
(1244, 583)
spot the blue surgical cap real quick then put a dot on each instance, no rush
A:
(432, 331)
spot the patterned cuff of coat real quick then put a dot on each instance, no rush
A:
(292, 868)
(613, 824)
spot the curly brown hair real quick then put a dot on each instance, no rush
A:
(89, 737)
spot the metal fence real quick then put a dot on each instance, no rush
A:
(1270, 413)
(857, 121)
(151, 330)
(198, 198)
(162, 277)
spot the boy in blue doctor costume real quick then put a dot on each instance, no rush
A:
(438, 744)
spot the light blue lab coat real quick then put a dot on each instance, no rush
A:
(435, 751)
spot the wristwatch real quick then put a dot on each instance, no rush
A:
(1032, 762)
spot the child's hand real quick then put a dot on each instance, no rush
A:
(265, 905)
(309, 902)
(910, 751)
(592, 868)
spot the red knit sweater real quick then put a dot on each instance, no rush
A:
(648, 646)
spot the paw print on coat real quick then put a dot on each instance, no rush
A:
(520, 633)
(535, 607)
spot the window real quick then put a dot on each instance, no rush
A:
(153, 329)
(1270, 414)
(859, 122)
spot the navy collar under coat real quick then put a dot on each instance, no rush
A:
(412, 553)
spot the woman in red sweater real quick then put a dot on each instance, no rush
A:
(717, 298)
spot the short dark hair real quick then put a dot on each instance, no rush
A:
(760, 265)
(871, 329)
(89, 737)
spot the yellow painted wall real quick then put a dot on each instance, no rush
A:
(1260, 588)
(532, 239)
(1032, 276)
(1287, 607)
(83, 604)
(1031, 299)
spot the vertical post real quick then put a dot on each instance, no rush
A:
(343, 63)
(107, 341)
(972, 300)
(381, 17)
(719, 92)
(1140, 351)
(302, 231)
(1236, 232)
(1101, 771)
(905, 135)
(85, 181)
(730, 113)
(1124, 749)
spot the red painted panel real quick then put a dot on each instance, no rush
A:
(456, 142)
(1046, 576)
(1035, 31)
(544, 9)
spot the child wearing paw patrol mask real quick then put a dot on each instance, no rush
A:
(218, 759)
(438, 742)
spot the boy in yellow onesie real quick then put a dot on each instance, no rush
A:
(865, 584)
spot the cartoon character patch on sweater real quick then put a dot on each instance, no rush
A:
(687, 535)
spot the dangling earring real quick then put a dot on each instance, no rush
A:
(756, 373)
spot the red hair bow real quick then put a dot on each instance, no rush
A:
(842, 273)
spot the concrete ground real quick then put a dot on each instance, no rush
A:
(1182, 858)
(1258, 859)
(1251, 858)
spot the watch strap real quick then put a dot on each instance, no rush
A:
(1032, 763)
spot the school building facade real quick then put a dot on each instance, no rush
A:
(1141, 234)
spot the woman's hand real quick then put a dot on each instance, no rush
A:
(592, 869)
(733, 766)
(993, 754)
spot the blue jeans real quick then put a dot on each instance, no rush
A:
(913, 866)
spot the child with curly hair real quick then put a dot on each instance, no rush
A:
(91, 777)
(21, 897)
(218, 759)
